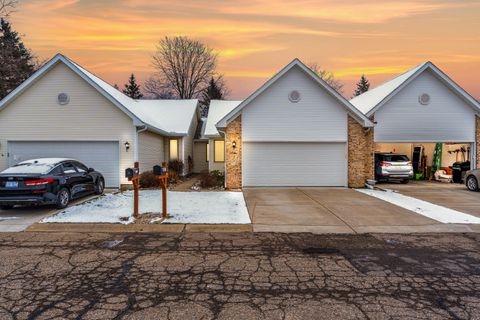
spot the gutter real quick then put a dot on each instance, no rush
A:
(135, 141)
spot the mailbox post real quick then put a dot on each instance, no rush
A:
(133, 175)
(162, 175)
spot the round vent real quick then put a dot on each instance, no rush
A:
(424, 99)
(294, 96)
(63, 99)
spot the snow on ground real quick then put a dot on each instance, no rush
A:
(183, 207)
(427, 209)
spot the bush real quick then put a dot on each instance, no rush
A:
(149, 180)
(175, 169)
(212, 179)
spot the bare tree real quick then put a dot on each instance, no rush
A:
(7, 7)
(184, 66)
(155, 89)
(327, 76)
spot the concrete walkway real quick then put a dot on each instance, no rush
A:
(334, 210)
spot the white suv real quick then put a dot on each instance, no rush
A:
(393, 166)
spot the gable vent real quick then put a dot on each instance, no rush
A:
(63, 99)
(294, 96)
(424, 99)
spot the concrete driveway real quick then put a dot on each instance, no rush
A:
(20, 218)
(451, 195)
(334, 210)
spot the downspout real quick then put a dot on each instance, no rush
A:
(135, 141)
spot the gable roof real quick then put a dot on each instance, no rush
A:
(354, 112)
(216, 111)
(370, 101)
(167, 117)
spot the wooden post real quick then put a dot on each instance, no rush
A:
(164, 198)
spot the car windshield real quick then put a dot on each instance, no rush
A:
(395, 158)
(30, 167)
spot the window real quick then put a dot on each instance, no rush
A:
(173, 149)
(208, 151)
(80, 167)
(219, 151)
(68, 168)
(57, 171)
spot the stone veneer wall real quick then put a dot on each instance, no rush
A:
(360, 154)
(233, 156)
(477, 138)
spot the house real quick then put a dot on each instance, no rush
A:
(420, 108)
(64, 110)
(295, 130)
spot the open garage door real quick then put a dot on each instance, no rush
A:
(103, 156)
(279, 164)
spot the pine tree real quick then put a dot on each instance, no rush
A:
(216, 90)
(362, 86)
(17, 63)
(132, 89)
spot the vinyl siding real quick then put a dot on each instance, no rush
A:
(200, 163)
(316, 117)
(446, 119)
(188, 145)
(151, 150)
(36, 116)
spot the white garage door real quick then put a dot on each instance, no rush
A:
(267, 164)
(100, 155)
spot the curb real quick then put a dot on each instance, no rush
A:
(131, 228)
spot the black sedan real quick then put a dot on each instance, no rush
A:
(48, 181)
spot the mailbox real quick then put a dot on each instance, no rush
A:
(131, 173)
(159, 170)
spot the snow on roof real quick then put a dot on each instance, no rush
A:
(217, 110)
(370, 99)
(172, 116)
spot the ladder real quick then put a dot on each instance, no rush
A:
(437, 159)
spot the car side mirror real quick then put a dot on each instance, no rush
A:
(90, 170)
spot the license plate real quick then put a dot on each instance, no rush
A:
(11, 184)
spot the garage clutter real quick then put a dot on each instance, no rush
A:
(443, 162)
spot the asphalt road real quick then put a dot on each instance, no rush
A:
(239, 276)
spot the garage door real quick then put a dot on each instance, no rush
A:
(270, 164)
(101, 155)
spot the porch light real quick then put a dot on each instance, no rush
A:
(234, 144)
(127, 146)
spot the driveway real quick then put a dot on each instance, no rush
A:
(20, 218)
(451, 195)
(334, 210)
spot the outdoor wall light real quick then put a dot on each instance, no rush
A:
(234, 144)
(127, 146)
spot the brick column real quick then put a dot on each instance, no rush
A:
(360, 154)
(233, 156)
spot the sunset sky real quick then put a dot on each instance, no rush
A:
(254, 39)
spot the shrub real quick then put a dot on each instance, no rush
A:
(175, 168)
(212, 179)
(149, 180)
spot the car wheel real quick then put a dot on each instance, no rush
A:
(63, 198)
(472, 183)
(8, 207)
(100, 186)
(405, 181)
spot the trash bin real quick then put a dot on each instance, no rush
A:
(459, 169)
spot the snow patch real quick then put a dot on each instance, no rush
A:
(424, 208)
(183, 207)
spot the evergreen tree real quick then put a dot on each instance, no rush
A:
(362, 86)
(216, 90)
(17, 63)
(132, 89)
(116, 87)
